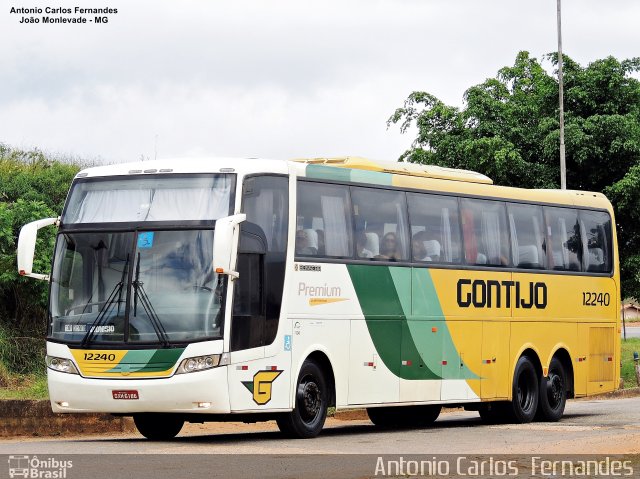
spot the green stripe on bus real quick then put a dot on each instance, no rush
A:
(163, 359)
(401, 327)
(426, 305)
(328, 173)
(148, 360)
(325, 172)
(385, 313)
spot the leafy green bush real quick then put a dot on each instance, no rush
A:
(32, 186)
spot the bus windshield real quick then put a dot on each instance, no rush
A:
(135, 287)
(149, 198)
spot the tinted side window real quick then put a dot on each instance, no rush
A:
(564, 251)
(486, 238)
(323, 225)
(380, 224)
(265, 201)
(527, 236)
(595, 229)
(435, 228)
(261, 262)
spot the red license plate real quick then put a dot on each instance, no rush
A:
(128, 394)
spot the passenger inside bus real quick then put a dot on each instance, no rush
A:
(389, 248)
(361, 246)
(425, 249)
(307, 242)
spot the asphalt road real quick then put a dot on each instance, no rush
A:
(600, 427)
(633, 332)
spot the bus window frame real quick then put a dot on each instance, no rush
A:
(463, 265)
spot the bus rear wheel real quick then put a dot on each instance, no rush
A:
(158, 427)
(404, 416)
(524, 404)
(312, 399)
(553, 393)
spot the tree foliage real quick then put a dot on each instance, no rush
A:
(508, 129)
(32, 186)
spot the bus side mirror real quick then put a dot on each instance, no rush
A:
(222, 241)
(27, 246)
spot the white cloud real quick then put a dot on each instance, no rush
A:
(278, 78)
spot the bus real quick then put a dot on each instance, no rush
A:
(254, 289)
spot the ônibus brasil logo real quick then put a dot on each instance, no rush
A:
(33, 467)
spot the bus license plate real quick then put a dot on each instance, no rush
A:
(129, 394)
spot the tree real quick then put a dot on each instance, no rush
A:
(32, 186)
(508, 129)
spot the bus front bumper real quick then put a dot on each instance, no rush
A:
(202, 392)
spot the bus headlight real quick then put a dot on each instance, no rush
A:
(202, 363)
(61, 364)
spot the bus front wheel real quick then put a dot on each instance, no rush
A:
(524, 404)
(553, 393)
(158, 427)
(312, 399)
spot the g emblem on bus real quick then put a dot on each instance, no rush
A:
(261, 385)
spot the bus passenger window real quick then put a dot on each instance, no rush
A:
(595, 229)
(381, 224)
(435, 228)
(323, 226)
(527, 239)
(486, 237)
(563, 237)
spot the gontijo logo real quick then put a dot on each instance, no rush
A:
(496, 294)
(262, 385)
(33, 467)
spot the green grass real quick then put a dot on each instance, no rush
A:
(28, 387)
(627, 372)
(22, 370)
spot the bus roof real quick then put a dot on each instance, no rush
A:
(358, 170)
(438, 179)
(408, 169)
(189, 165)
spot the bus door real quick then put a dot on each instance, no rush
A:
(375, 363)
(257, 376)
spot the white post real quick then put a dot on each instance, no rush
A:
(563, 166)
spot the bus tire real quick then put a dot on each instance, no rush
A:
(311, 402)
(404, 416)
(553, 393)
(158, 427)
(524, 404)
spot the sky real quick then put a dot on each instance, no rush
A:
(269, 78)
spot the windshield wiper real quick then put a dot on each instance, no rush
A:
(116, 292)
(139, 292)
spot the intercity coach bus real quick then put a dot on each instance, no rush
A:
(248, 290)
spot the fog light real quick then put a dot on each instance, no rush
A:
(62, 403)
(204, 405)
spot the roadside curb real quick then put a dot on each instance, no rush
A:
(620, 393)
(35, 418)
